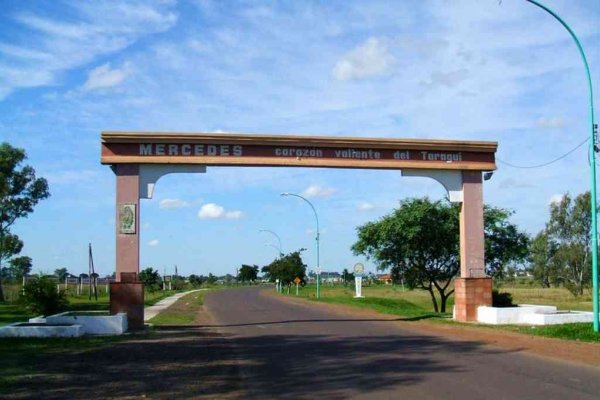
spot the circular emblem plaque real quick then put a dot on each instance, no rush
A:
(359, 268)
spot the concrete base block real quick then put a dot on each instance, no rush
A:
(40, 330)
(528, 314)
(93, 324)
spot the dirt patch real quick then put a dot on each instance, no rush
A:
(564, 350)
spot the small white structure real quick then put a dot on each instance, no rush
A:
(93, 324)
(529, 314)
(40, 330)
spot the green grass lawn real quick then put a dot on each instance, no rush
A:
(559, 297)
(416, 305)
(13, 312)
(182, 312)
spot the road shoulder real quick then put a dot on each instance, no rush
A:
(558, 349)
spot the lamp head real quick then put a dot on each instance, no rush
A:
(284, 194)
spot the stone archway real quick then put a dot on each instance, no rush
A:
(139, 159)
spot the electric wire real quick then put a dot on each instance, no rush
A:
(546, 163)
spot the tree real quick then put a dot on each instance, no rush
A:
(542, 263)
(20, 191)
(177, 282)
(504, 244)
(211, 279)
(61, 274)
(286, 268)
(150, 278)
(248, 273)
(195, 280)
(419, 243)
(20, 266)
(347, 276)
(570, 228)
(10, 245)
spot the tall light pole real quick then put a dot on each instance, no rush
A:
(278, 240)
(317, 219)
(276, 248)
(592, 161)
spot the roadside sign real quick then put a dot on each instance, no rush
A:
(297, 280)
(359, 269)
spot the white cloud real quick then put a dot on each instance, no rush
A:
(215, 211)
(318, 191)
(104, 77)
(153, 242)
(556, 198)
(448, 79)
(364, 206)
(372, 58)
(54, 46)
(550, 123)
(146, 225)
(172, 203)
(234, 214)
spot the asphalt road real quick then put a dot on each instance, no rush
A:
(293, 351)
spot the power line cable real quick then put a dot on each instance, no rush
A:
(546, 163)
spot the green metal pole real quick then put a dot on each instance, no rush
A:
(592, 160)
(317, 219)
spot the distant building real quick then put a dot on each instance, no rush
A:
(385, 279)
(331, 277)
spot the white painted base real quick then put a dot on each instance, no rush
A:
(529, 314)
(359, 297)
(93, 324)
(22, 329)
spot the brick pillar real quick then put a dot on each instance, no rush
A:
(473, 288)
(128, 244)
(470, 293)
(127, 294)
(472, 262)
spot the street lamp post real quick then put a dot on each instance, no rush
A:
(592, 161)
(317, 238)
(275, 247)
(278, 240)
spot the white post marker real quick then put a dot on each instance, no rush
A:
(277, 285)
(359, 269)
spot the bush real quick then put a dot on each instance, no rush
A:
(41, 297)
(502, 299)
(178, 283)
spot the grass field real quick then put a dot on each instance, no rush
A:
(13, 312)
(559, 297)
(183, 312)
(416, 305)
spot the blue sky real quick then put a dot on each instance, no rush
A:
(413, 69)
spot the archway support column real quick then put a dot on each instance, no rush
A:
(473, 288)
(127, 293)
(134, 182)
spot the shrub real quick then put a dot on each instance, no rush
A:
(41, 297)
(178, 283)
(501, 299)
